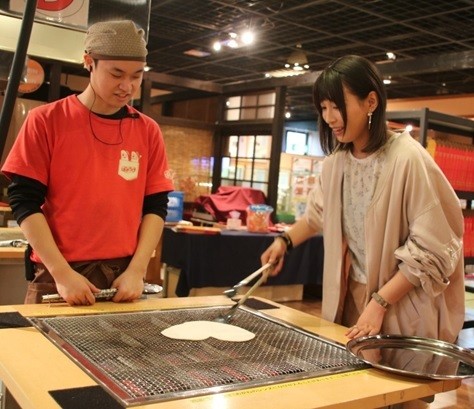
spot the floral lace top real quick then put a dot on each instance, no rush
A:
(360, 179)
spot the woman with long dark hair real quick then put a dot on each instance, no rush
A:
(391, 222)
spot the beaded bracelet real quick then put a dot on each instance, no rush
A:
(287, 239)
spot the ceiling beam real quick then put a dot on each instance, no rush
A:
(180, 96)
(428, 64)
(302, 80)
(422, 65)
(425, 64)
(181, 82)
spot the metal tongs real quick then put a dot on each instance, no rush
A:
(105, 294)
(231, 292)
(13, 243)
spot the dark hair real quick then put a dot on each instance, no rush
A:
(360, 77)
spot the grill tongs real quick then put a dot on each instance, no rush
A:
(231, 292)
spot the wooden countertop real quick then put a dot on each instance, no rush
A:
(31, 365)
(12, 253)
(11, 233)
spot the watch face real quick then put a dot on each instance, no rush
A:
(380, 300)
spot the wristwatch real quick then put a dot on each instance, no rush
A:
(380, 300)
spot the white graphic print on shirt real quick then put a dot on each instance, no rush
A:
(129, 166)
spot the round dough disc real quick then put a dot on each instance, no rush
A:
(200, 330)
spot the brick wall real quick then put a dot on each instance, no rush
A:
(189, 153)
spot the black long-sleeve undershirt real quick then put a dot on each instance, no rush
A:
(27, 195)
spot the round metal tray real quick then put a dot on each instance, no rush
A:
(414, 356)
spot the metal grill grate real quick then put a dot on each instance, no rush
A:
(130, 357)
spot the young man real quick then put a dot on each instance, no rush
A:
(89, 178)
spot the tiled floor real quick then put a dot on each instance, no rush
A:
(461, 398)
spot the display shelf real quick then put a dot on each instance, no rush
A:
(465, 195)
(426, 119)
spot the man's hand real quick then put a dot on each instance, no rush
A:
(75, 289)
(129, 286)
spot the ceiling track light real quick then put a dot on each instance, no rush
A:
(234, 40)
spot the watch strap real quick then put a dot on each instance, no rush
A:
(380, 300)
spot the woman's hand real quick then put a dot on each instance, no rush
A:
(274, 255)
(369, 322)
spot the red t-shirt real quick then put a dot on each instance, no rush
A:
(95, 187)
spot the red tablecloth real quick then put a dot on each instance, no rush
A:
(229, 198)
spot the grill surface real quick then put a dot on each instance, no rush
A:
(128, 355)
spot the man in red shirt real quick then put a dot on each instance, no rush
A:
(90, 178)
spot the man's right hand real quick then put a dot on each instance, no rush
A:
(75, 289)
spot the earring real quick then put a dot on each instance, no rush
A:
(370, 119)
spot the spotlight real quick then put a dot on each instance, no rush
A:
(297, 60)
(232, 43)
(247, 37)
(234, 40)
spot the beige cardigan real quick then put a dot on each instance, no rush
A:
(414, 220)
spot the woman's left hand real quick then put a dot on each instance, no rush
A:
(369, 322)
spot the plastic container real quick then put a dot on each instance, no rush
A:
(258, 218)
(175, 206)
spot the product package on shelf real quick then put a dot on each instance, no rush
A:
(468, 236)
(456, 160)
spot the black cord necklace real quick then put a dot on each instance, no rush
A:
(122, 112)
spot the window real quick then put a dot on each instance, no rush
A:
(250, 107)
(296, 142)
(246, 160)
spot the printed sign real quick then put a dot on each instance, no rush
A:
(34, 77)
(67, 12)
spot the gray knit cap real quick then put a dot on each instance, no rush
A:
(116, 40)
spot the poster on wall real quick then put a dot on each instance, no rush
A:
(34, 77)
(65, 12)
(79, 14)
